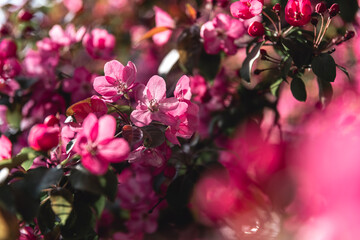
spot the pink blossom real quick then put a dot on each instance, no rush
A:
(198, 87)
(99, 43)
(187, 114)
(80, 85)
(143, 221)
(5, 148)
(162, 19)
(152, 103)
(118, 80)
(214, 197)
(66, 37)
(73, 5)
(10, 68)
(220, 33)
(9, 86)
(246, 9)
(97, 146)
(3, 120)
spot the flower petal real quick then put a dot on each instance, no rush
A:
(113, 151)
(107, 128)
(94, 165)
(141, 117)
(156, 88)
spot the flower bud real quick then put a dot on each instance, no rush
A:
(43, 137)
(7, 48)
(169, 171)
(24, 15)
(314, 21)
(320, 8)
(334, 10)
(51, 121)
(277, 8)
(256, 29)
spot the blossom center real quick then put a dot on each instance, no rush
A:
(121, 87)
(154, 105)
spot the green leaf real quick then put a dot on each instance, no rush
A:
(287, 63)
(298, 90)
(325, 91)
(274, 88)
(46, 218)
(14, 117)
(154, 136)
(99, 206)
(245, 71)
(26, 155)
(61, 204)
(324, 67)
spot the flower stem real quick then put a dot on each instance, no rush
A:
(321, 35)
(287, 31)
(272, 21)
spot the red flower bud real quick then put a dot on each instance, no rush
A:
(51, 121)
(169, 172)
(298, 12)
(256, 29)
(334, 10)
(24, 15)
(277, 8)
(43, 137)
(7, 48)
(320, 8)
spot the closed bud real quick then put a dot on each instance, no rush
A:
(314, 21)
(24, 15)
(277, 8)
(10, 68)
(51, 121)
(256, 29)
(169, 171)
(43, 137)
(334, 10)
(7, 48)
(320, 8)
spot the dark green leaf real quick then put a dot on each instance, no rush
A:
(300, 52)
(324, 67)
(154, 136)
(70, 146)
(344, 71)
(325, 91)
(287, 63)
(83, 180)
(46, 218)
(298, 90)
(245, 71)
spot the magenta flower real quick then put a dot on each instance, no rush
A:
(162, 19)
(5, 148)
(298, 12)
(152, 104)
(118, 80)
(43, 137)
(99, 43)
(220, 33)
(246, 9)
(97, 146)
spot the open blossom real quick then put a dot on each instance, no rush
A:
(162, 19)
(246, 9)
(68, 36)
(73, 5)
(99, 43)
(220, 33)
(152, 104)
(97, 146)
(118, 80)
(187, 114)
(298, 12)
